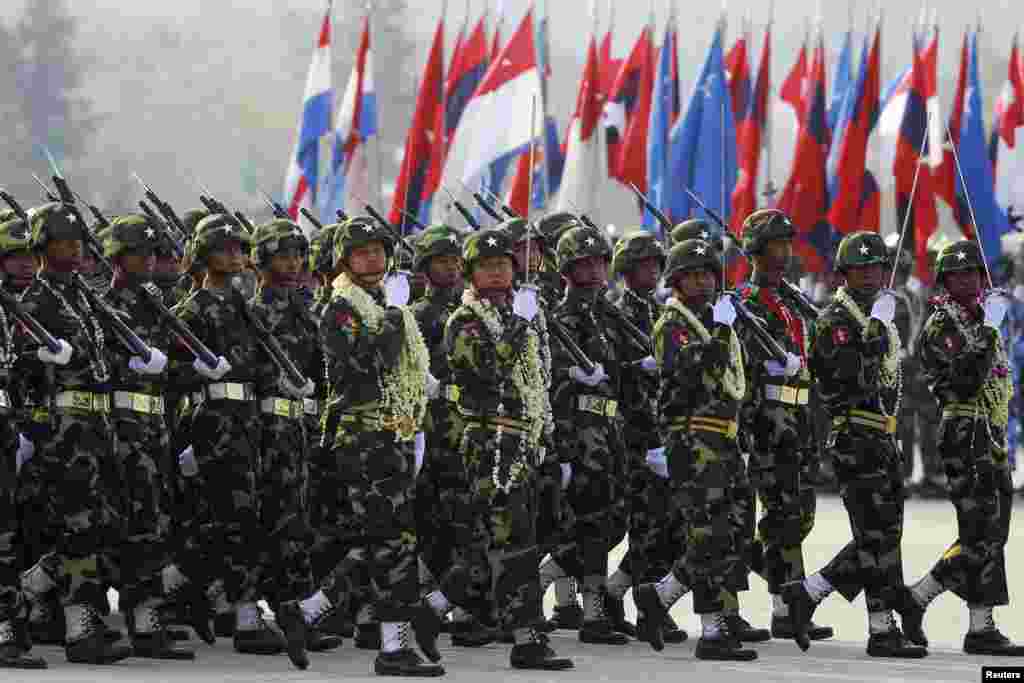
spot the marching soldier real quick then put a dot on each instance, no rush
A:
(701, 389)
(496, 362)
(68, 492)
(855, 356)
(966, 366)
(377, 370)
(16, 266)
(776, 419)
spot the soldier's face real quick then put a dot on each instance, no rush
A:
(866, 279)
(445, 271)
(773, 261)
(228, 259)
(645, 274)
(368, 263)
(493, 273)
(589, 273)
(138, 262)
(964, 286)
(19, 268)
(64, 256)
(696, 288)
(286, 268)
(167, 267)
(536, 249)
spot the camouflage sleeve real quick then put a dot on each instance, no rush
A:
(954, 372)
(842, 361)
(348, 342)
(474, 356)
(28, 369)
(179, 358)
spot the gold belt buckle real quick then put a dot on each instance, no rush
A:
(890, 424)
(788, 395)
(5, 400)
(611, 408)
(310, 407)
(235, 391)
(282, 407)
(452, 393)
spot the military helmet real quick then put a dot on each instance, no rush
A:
(959, 256)
(128, 233)
(696, 229)
(321, 250)
(763, 226)
(518, 229)
(14, 233)
(554, 225)
(213, 232)
(359, 231)
(436, 240)
(54, 221)
(580, 243)
(277, 235)
(692, 254)
(635, 248)
(485, 243)
(861, 249)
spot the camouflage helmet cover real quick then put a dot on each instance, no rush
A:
(959, 256)
(275, 236)
(214, 231)
(580, 243)
(554, 225)
(634, 248)
(54, 221)
(436, 240)
(763, 226)
(692, 254)
(483, 244)
(359, 231)
(321, 249)
(128, 233)
(696, 229)
(861, 249)
(14, 233)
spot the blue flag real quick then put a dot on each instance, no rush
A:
(702, 145)
(842, 81)
(991, 221)
(662, 105)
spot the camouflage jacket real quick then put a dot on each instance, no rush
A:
(145, 322)
(846, 362)
(218, 321)
(356, 357)
(288, 318)
(639, 389)
(692, 370)
(432, 313)
(954, 366)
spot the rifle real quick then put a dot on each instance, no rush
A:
(466, 215)
(34, 327)
(769, 344)
(311, 218)
(375, 215)
(48, 194)
(179, 251)
(168, 213)
(269, 343)
(635, 334)
(663, 221)
(198, 349)
(126, 335)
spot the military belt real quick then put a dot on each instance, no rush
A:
(702, 423)
(310, 406)
(139, 403)
(793, 396)
(5, 402)
(229, 391)
(375, 420)
(882, 423)
(968, 410)
(82, 400)
(496, 422)
(598, 405)
(283, 407)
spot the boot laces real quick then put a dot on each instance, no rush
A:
(403, 635)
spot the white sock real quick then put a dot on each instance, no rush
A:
(818, 587)
(880, 622)
(439, 603)
(145, 617)
(74, 621)
(393, 636)
(669, 590)
(314, 606)
(779, 606)
(461, 616)
(248, 616)
(365, 614)
(710, 624)
(565, 595)
(550, 573)
(981, 618)
(927, 589)
(618, 583)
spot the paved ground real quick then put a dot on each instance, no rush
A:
(929, 530)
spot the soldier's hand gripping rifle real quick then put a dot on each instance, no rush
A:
(769, 344)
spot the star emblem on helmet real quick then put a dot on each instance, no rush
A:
(589, 242)
(491, 242)
(864, 249)
(453, 239)
(72, 218)
(150, 233)
(227, 229)
(701, 250)
(961, 256)
(367, 227)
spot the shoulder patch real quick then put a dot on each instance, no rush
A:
(680, 336)
(344, 318)
(841, 335)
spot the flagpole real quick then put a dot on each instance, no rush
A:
(545, 179)
(377, 137)
(769, 186)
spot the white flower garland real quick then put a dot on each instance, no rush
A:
(7, 353)
(403, 388)
(734, 381)
(528, 377)
(891, 372)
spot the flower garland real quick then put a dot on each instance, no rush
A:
(7, 353)
(891, 372)
(998, 387)
(734, 381)
(528, 377)
(98, 365)
(403, 388)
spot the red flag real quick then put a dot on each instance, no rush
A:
(628, 113)
(945, 175)
(749, 141)
(805, 197)
(1009, 112)
(737, 70)
(580, 178)
(792, 90)
(608, 66)
(426, 129)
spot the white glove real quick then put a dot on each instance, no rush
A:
(996, 305)
(62, 357)
(396, 289)
(187, 463)
(884, 308)
(524, 303)
(649, 365)
(213, 374)
(657, 461)
(777, 369)
(433, 386)
(421, 451)
(566, 475)
(591, 380)
(26, 449)
(1018, 292)
(157, 363)
(724, 312)
(305, 391)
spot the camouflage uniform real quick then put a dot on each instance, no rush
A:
(776, 420)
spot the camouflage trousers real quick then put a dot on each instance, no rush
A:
(552, 507)
(68, 499)
(788, 503)
(221, 517)
(870, 473)
(10, 562)
(653, 523)
(981, 490)
(497, 562)
(141, 444)
(709, 492)
(374, 521)
(596, 489)
(286, 571)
